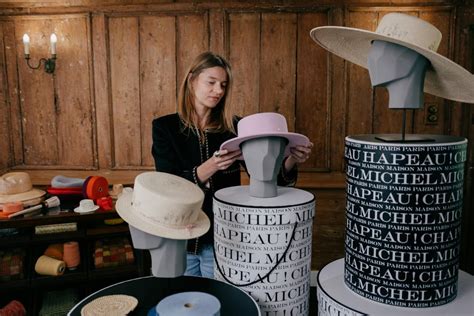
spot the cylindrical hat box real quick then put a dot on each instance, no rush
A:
(263, 246)
(403, 211)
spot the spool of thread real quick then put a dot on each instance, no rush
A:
(71, 254)
(12, 207)
(54, 251)
(52, 202)
(116, 191)
(49, 266)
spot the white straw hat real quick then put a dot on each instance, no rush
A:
(444, 78)
(17, 187)
(164, 205)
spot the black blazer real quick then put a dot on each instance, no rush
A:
(177, 150)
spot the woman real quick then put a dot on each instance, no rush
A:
(184, 144)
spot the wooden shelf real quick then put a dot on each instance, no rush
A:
(58, 237)
(90, 228)
(109, 230)
(68, 278)
(129, 270)
(15, 240)
(63, 217)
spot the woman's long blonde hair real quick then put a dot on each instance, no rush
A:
(221, 118)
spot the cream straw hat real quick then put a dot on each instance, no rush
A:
(164, 205)
(444, 78)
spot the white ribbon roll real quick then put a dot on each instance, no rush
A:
(189, 304)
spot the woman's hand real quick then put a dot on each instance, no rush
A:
(299, 154)
(221, 160)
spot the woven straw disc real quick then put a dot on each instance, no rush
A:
(110, 305)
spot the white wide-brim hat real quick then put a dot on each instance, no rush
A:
(17, 187)
(266, 124)
(164, 205)
(444, 78)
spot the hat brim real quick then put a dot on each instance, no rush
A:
(20, 197)
(444, 78)
(126, 211)
(81, 211)
(294, 139)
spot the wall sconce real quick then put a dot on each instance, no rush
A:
(49, 63)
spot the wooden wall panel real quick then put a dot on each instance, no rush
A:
(5, 149)
(193, 39)
(73, 108)
(11, 79)
(51, 124)
(148, 58)
(338, 101)
(125, 87)
(157, 66)
(328, 227)
(38, 108)
(278, 65)
(217, 36)
(102, 92)
(244, 56)
(442, 20)
(312, 105)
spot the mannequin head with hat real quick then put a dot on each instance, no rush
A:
(163, 211)
(265, 141)
(443, 77)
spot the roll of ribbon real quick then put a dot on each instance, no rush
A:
(64, 191)
(96, 187)
(71, 255)
(84, 186)
(189, 304)
(55, 228)
(49, 266)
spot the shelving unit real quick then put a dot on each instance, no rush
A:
(86, 278)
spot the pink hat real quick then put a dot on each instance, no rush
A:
(263, 125)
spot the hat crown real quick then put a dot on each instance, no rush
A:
(410, 29)
(86, 205)
(15, 183)
(166, 199)
(262, 123)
